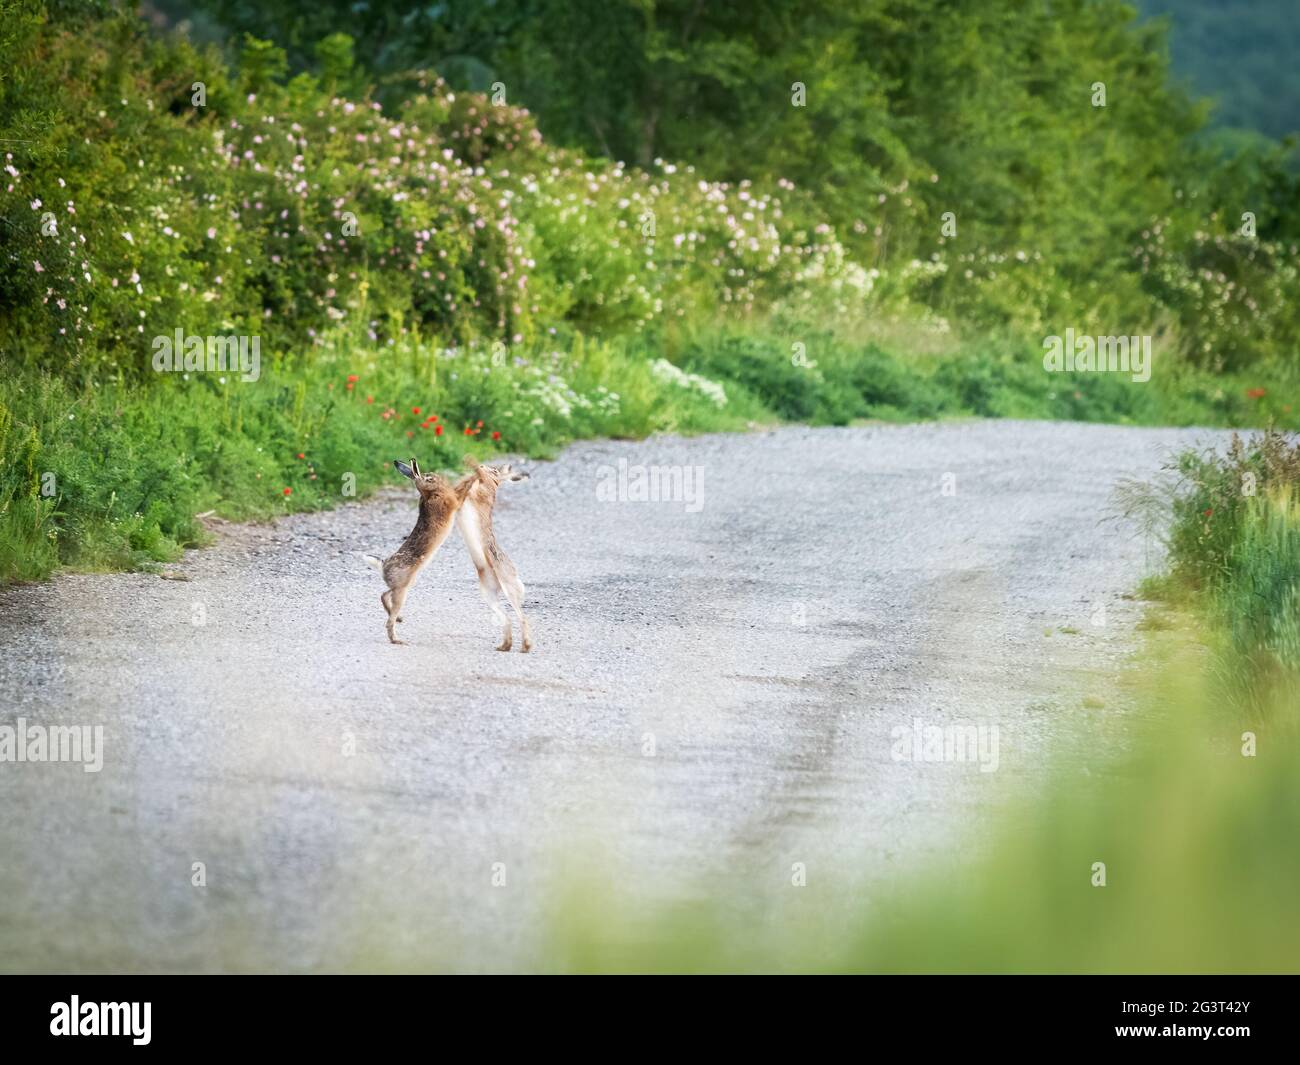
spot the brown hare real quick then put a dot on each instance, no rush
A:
(477, 492)
(438, 504)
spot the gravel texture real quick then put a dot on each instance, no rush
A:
(711, 699)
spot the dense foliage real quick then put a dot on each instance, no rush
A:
(982, 111)
(590, 218)
(1242, 53)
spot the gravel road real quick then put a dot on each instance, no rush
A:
(713, 696)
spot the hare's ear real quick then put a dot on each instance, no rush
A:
(416, 467)
(404, 469)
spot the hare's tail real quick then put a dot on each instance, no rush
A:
(374, 561)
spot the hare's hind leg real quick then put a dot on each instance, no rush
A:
(385, 599)
(514, 589)
(393, 600)
(490, 589)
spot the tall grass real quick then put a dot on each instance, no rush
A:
(1257, 602)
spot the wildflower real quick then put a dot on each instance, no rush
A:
(301, 455)
(288, 491)
(437, 430)
(496, 436)
(1256, 393)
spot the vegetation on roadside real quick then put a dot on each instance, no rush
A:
(1234, 550)
(390, 233)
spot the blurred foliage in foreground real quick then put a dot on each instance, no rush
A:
(1197, 841)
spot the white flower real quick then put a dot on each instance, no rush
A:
(665, 371)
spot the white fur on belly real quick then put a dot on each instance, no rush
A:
(472, 532)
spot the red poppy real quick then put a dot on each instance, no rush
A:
(352, 377)
(1209, 511)
(301, 455)
(409, 433)
(370, 399)
(415, 410)
(1256, 393)
(480, 424)
(288, 491)
(351, 386)
(496, 436)
(437, 430)
(469, 431)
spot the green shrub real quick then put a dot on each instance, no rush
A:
(1235, 541)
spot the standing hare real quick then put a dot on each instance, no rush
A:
(469, 505)
(477, 492)
(438, 504)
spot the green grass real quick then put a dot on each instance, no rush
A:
(109, 476)
(832, 380)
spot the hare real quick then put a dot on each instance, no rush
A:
(477, 493)
(438, 504)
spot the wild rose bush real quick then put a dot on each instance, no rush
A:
(289, 213)
(1237, 298)
(131, 208)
